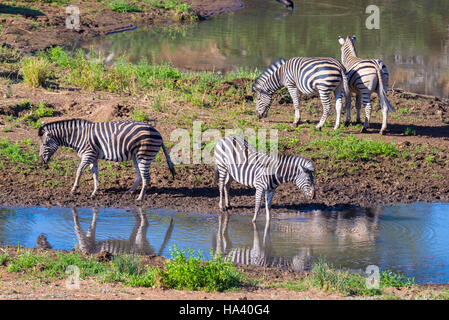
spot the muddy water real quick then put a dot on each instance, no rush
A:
(412, 39)
(411, 238)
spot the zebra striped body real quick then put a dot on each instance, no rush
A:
(236, 160)
(365, 76)
(113, 141)
(303, 76)
(136, 244)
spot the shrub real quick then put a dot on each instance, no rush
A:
(35, 70)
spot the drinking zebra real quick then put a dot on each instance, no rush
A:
(364, 77)
(113, 141)
(306, 76)
(236, 160)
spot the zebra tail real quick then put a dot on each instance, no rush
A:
(346, 90)
(384, 102)
(169, 162)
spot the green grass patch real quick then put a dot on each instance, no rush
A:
(35, 71)
(351, 148)
(123, 6)
(15, 153)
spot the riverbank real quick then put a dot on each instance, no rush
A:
(33, 26)
(41, 274)
(409, 164)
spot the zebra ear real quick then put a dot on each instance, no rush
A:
(341, 40)
(309, 166)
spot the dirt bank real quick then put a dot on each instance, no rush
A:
(418, 171)
(33, 26)
(262, 283)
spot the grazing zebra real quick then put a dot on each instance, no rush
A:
(113, 141)
(306, 76)
(364, 77)
(236, 160)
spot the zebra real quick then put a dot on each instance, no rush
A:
(114, 141)
(364, 77)
(261, 253)
(306, 76)
(236, 160)
(136, 244)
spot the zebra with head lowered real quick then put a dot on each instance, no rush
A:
(303, 76)
(113, 141)
(236, 160)
(364, 77)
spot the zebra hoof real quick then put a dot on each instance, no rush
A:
(382, 132)
(347, 123)
(363, 130)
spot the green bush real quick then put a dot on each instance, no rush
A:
(35, 71)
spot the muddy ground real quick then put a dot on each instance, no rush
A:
(421, 176)
(31, 27)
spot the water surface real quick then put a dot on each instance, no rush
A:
(410, 238)
(413, 39)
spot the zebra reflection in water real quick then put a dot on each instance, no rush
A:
(136, 244)
(261, 254)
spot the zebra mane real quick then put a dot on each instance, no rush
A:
(49, 125)
(272, 68)
(350, 44)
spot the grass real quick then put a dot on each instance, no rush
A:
(352, 148)
(35, 71)
(123, 6)
(181, 272)
(15, 153)
(324, 276)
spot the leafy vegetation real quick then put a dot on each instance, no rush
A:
(35, 70)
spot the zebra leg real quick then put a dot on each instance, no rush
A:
(294, 93)
(338, 105)
(358, 106)
(144, 169)
(222, 179)
(94, 168)
(268, 198)
(367, 103)
(326, 102)
(138, 179)
(227, 187)
(259, 194)
(384, 121)
(84, 163)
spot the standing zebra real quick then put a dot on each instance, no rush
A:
(236, 160)
(306, 76)
(364, 77)
(113, 141)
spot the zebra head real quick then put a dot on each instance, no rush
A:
(49, 145)
(265, 85)
(304, 178)
(347, 47)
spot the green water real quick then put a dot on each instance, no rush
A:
(413, 39)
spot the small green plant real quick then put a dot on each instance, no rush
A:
(410, 132)
(35, 71)
(391, 279)
(123, 6)
(139, 115)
